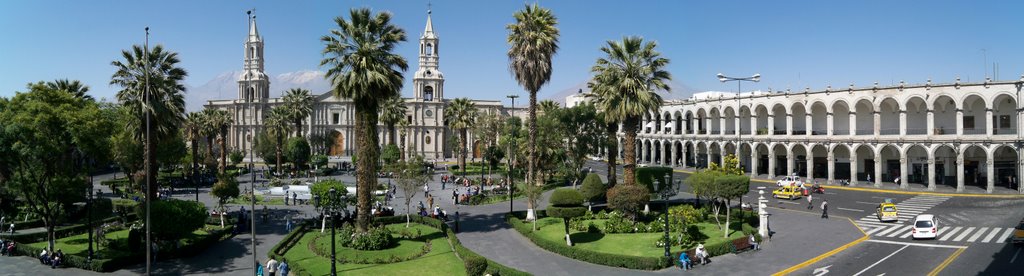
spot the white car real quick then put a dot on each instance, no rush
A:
(925, 227)
(789, 180)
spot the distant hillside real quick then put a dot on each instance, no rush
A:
(225, 86)
(679, 91)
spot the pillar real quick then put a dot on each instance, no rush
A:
(738, 129)
(721, 125)
(721, 156)
(829, 124)
(789, 123)
(853, 122)
(903, 172)
(831, 166)
(753, 125)
(672, 155)
(771, 163)
(790, 162)
(753, 161)
(878, 167)
(960, 171)
(988, 125)
(931, 124)
(877, 122)
(807, 124)
(643, 153)
(903, 124)
(683, 151)
(762, 211)
(990, 172)
(707, 125)
(665, 150)
(931, 172)
(959, 125)
(771, 125)
(810, 164)
(853, 168)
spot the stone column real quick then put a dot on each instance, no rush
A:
(753, 125)
(721, 125)
(988, 123)
(790, 162)
(789, 123)
(810, 165)
(771, 163)
(903, 124)
(753, 162)
(643, 152)
(665, 151)
(931, 173)
(903, 173)
(853, 123)
(960, 172)
(877, 122)
(721, 156)
(829, 124)
(762, 211)
(990, 171)
(707, 125)
(771, 125)
(683, 151)
(931, 124)
(672, 154)
(878, 169)
(738, 126)
(808, 124)
(959, 122)
(853, 168)
(831, 167)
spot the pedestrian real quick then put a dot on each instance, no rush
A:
(824, 209)
(272, 267)
(869, 178)
(426, 188)
(294, 197)
(283, 267)
(810, 199)
(455, 196)
(265, 214)
(430, 200)
(259, 269)
(896, 180)
(288, 225)
(286, 198)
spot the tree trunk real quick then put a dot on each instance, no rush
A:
(223, 152)
(613, 153)
(195, 182)
(209, 147)
(727, 207)
(391, 134)
(222, 216)
(568, 240)
(51, 235)
(462, 151)
(278, 151)
(629, 127)
(298, 127)
(531, 164)
(366, 165)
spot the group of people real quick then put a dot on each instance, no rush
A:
(7, 247)
(824, 206)
(274, 268)
(702, 256)
(461, 197)
(53, 259)
(436, 212)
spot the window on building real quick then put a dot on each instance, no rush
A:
(427, 140)
(335, 118)
(968, 122)
(409, 118)
(428, 93)
(1004, 121)
(430, 49)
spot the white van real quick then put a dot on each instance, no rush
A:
(925, 227)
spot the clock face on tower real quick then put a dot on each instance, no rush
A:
(428, 113)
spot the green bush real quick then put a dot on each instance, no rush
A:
(617, 223)
(298, 151)
(475, 265)
(376, 238)
(390, 154)
(629, 199)
(649, 176)
(175, 218)
(593, 190)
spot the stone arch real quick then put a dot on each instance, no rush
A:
(716, 120)
(842, 165)
(729, 113)
(916, 109)
(866, 159)
(1004, 114)
(1005, 160)
(779, 112)
(917, 163)
(840, 110)
(974, 118)
(799, 114)
(975, 159)
(865, 113)
(761, 112)
(944, 157)
(779, 152)
(702, 119)
(800, 155)
(943, 109)
(889, 110)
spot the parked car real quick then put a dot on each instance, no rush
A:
(925, 227)
(789, 181)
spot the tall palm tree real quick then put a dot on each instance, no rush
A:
(299, 104)
(166, 105)
(461, 115)
(276, 126)
(403, 126)
(363, 67)
(192, 129)
(547, 105)
(391, 112)
(533, 41)
(209, 131)
(74, 87)
(221, 121)
(624, 84)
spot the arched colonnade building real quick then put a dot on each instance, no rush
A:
(956, 134)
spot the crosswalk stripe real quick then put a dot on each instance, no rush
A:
(903, 229)
(964, 234)
(991, 235)
(1005, 235)
(869, 232)
(946, 236)
(875, 222)
(907, 234)
(890, 229)
(978, 234)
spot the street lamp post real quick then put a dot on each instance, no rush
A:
(666, 193)
(332, 207)
(512, 151)
(149, 151)
(88, 214)
(739, 89)
(252, 167)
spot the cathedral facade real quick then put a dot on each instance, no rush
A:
(427, 134)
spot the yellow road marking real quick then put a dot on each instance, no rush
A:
(947, 262)
(827, 254)
(885, 191)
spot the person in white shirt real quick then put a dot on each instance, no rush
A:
(272, 267)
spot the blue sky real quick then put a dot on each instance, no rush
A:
(792, 44)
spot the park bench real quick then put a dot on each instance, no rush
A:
(741, 245)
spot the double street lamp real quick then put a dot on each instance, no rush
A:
(666, 193)
(332, 206)
(512, 152)
(739, 89)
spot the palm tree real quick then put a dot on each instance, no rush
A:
(192, 129)
(220, 120)
(298, 103)
(391, 112)
(74, 87)
(363, 67)
(166, 105)
(533, 41)
(460, 115)
(547, 106)
(276, 126)
(209, 131)
(403, 127)
(624, 84)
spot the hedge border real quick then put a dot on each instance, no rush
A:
(607, 259)
(461, 252)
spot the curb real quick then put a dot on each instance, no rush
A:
(887, 191)
(826, 254)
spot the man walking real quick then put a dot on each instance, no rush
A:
(272, 267)
(824, 209)
(810, 201)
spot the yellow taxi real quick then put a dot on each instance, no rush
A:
(886, 211)
(1018, 233)
(788, 192)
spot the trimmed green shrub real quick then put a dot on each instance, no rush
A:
(175, 218)
(629, 199)
(475, 265)
(593, 190)
(376, 238)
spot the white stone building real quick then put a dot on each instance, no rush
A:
(955, 134)
(427, 135)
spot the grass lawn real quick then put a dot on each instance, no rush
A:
(633, 244)
(404, 248)
(79, 244)
(440, 261)
(260, 200)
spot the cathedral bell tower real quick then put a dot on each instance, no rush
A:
(428, 82)
(253, 84)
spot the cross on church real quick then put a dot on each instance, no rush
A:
(428, 7)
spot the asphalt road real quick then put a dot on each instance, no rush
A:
(972, 239)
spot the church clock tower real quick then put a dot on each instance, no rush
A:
(428, 82)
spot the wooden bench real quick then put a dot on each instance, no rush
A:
(741, 245)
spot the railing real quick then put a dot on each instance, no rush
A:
(1004, 131)
(730, 132)
(865, 132)
(799, 132)
(917, 131)
(840, 132)
(889, 131)
(974, 131)
(780, 132)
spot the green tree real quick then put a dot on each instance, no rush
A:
(221, 121)
(46, 137)
(236, 157)
(566, 203)
(319, 160)
(611, 144)
(390, 154)
(298, 151)
(276, 126)
(582, 134)
(322, 190)
(487, 129)
(178, 218)
(225, 188)
(126, 151)
(629, 199)
(623, 87)
(392, 111)
(593, 190)
(209, 132)
(363, 67)
(461, 115)
(410, 175)
(299, 104)
(533, 42)
(192, 130)
(546, 106)
(75, 87)
(156, 71)
(732, 187)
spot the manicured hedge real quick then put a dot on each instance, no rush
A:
(59, 232)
